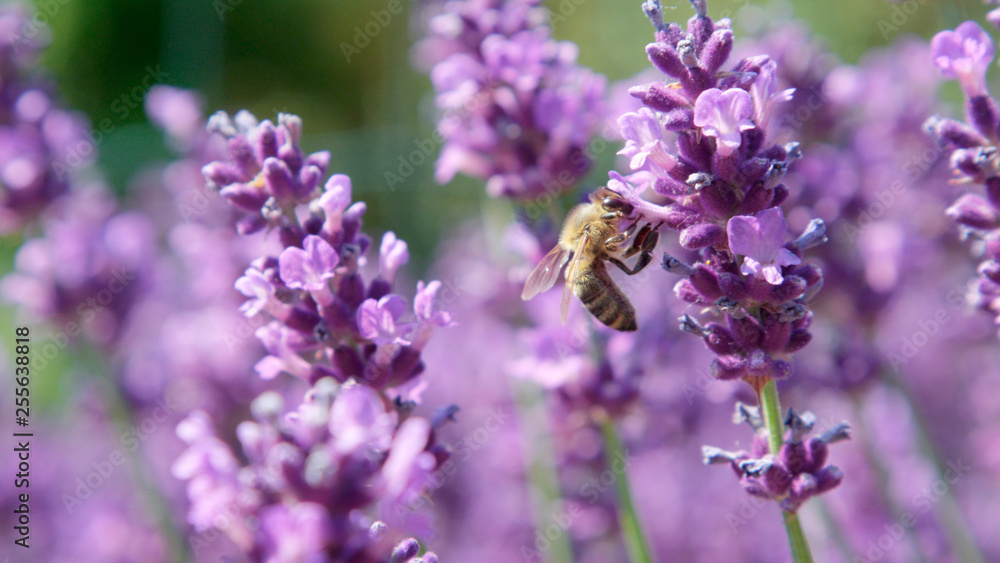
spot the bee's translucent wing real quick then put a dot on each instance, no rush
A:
(571, 273)
(546, 273)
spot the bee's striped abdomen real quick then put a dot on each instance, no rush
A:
(595, 288)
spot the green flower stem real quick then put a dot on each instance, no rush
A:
(771, 410)
(796, 538)
(948, 510)
(833, 526)
(635, 541)
(151, 495)
(542, 474)
(880, 472)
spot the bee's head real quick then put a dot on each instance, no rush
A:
(611, 201)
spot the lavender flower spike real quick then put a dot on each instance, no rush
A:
(964, 54)
(309, 474)
(516, 109)
(722, 191)
(321, 306)
(798, 471)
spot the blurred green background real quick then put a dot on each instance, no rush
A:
(287, 55)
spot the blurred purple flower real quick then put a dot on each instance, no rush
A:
(295, 534)
(964, 54)
(308, 472)
(517, 110)
(88, 268)
(41, 145)
(178, 112)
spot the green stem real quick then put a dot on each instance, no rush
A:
(151, 495)
(948, 510)
(635, 541)
(833, 526)
(771, 411)
(880, 472)
(796, 538)
(542, 474)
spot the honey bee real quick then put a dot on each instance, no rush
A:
(589, 238)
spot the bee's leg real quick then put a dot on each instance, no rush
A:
(645, 240)
(644, 260)
(611, 243)
(638, 242)
(644, 244)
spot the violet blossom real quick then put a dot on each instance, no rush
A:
(964, 54)
(351, 446)
(724, 116)
(517, 110)
(41, 145)
(309, 474)
(760, 240)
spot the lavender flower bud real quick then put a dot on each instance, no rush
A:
(660, 97)
(982, 112)
(717, 50)
(666, 59)
(973, 211)
(404, 551)
(953, 134)
(675, 266)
